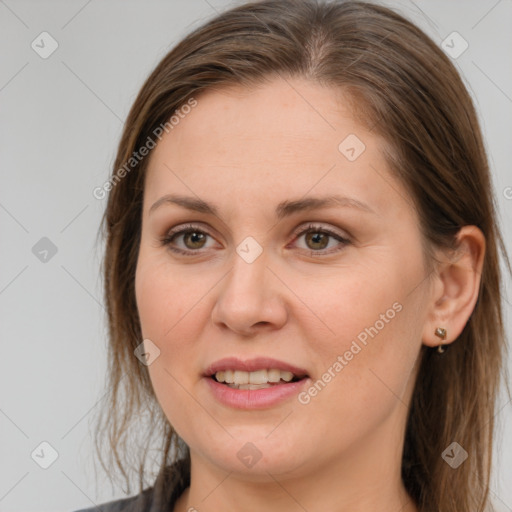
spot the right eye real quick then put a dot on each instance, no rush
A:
(193, 239)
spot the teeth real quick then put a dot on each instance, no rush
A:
(274, 375)
(287, 376)
(250, 386)
(258, 377)
(253, 380)
(241, 377)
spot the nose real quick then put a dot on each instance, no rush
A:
(250, 298)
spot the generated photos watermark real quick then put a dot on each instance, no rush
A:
(356, 346)
(137, 156)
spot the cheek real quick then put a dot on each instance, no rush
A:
(351, 399)
(359, 302)
(172, 315)
(366, 356)
(166, 299)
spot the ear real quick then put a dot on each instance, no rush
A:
(456, 287)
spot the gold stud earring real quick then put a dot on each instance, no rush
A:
(440, 332)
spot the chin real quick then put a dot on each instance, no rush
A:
(255, 456)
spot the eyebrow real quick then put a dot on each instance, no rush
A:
(283, 209)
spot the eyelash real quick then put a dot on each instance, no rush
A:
(171, 235)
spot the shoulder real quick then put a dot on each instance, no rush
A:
(139, 503)
(169, 485)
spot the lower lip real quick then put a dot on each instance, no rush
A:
(254, 398)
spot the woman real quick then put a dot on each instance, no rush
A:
(301, 270)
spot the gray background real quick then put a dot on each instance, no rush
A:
(61, 119)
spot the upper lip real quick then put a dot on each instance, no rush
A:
(251, 365)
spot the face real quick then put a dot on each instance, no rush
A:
(333, 292)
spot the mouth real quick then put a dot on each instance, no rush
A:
(251, 384)
(258, 379)
(258, 373)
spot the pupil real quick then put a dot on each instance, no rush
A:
(318, 238)
(196, 237)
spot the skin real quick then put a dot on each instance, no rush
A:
(299, 301)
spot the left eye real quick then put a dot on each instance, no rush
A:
(193, 239)
(319, 237)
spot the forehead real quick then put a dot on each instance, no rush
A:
(282, 139)
(284, 114)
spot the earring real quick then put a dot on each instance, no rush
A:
(440, 332)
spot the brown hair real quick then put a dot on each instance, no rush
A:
(406, 90)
